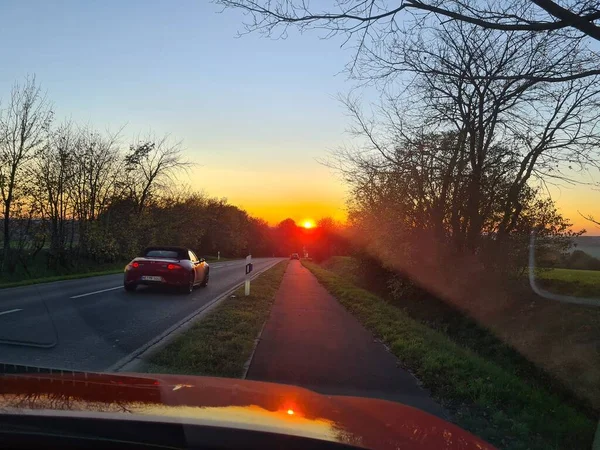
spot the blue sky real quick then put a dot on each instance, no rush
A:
(255, 113)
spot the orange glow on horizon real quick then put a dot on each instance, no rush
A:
(308, 223)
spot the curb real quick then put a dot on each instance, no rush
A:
(135, 359)
(251, 357)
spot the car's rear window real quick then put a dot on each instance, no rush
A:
(162, 254)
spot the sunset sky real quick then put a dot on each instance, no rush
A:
(255, 114)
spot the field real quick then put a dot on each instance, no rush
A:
(577, 283)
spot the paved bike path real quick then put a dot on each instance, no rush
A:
(310, 340)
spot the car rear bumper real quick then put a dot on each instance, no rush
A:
(137, 279)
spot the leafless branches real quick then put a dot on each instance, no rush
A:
(347, 16)
(590, 218)
(150, 164)
(457, 150)
(24, 123)
(373, 24)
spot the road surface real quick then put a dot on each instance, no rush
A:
(91, 323)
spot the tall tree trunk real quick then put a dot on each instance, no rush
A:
(474, 216)
(6, 253)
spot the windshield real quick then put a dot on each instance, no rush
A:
(386, 207)
(161, 254)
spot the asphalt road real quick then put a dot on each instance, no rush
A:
(91, 323)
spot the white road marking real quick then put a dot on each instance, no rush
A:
(97, 292)
(10, 311)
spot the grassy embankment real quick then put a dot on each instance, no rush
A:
(497, 399)
(221, 343)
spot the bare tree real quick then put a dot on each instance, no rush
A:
(151, 165)
(462, 144)
(96, 172)
(355, 16)
(372, 22)
(24, 123)
(543, 127)
(54, 170)
(590, 218)
(97, 160)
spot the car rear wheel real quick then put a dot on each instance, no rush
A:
(205, 281)
(130, 287)
(189, 288)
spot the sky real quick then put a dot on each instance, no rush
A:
(255, 114)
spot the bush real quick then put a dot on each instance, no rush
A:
(581, 260)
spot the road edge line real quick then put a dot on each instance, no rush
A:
(128, 363)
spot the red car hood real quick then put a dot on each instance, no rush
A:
(367, 423)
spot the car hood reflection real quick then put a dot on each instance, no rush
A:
(242, 404)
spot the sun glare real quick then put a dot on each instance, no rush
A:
(308, 224)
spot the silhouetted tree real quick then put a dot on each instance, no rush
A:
(23, 126)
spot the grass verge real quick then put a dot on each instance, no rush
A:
(221, 343)
(485, 398)
(546, 343)
(21, 279)
(215, 259)
(72, 276)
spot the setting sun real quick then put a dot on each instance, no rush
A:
(308, 223)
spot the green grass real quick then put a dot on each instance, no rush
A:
(222, 342)
(546, 343)
(215, 259)
(484, 397)
(578, 283)
(50, 279)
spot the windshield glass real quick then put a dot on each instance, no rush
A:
(388, 207)
(162, 254)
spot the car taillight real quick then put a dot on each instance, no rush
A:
(135, 265)
(173, 267)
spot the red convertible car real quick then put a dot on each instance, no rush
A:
(167, 266)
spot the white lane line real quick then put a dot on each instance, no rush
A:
(10, 311)
(97, 292)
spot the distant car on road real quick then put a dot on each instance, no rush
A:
(167, 266)
(294, 256)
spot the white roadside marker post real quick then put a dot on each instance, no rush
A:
(248, 270)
